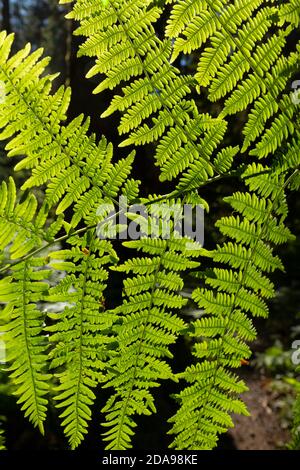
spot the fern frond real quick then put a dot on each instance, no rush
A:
(76, 169)
(77, 172)
(290, 12)
(231, 295)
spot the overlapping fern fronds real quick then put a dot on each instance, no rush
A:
(22, 229)
(128, 349)
(75, 168)
(154, 102)
(78, 172)
(21, 225)
(242, 59)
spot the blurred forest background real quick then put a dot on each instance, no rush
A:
(271, 376)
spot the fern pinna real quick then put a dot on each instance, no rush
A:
(240, 49)
(148, 326)
(81, 333)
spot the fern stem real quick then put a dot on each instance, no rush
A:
(67, 236)
(45, 247)
(164, 197)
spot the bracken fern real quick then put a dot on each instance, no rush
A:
(240, 49)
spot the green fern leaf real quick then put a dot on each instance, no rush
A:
(81, 332)
(146, 327)
(231, 295)
(236, 39)
(26, 348)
